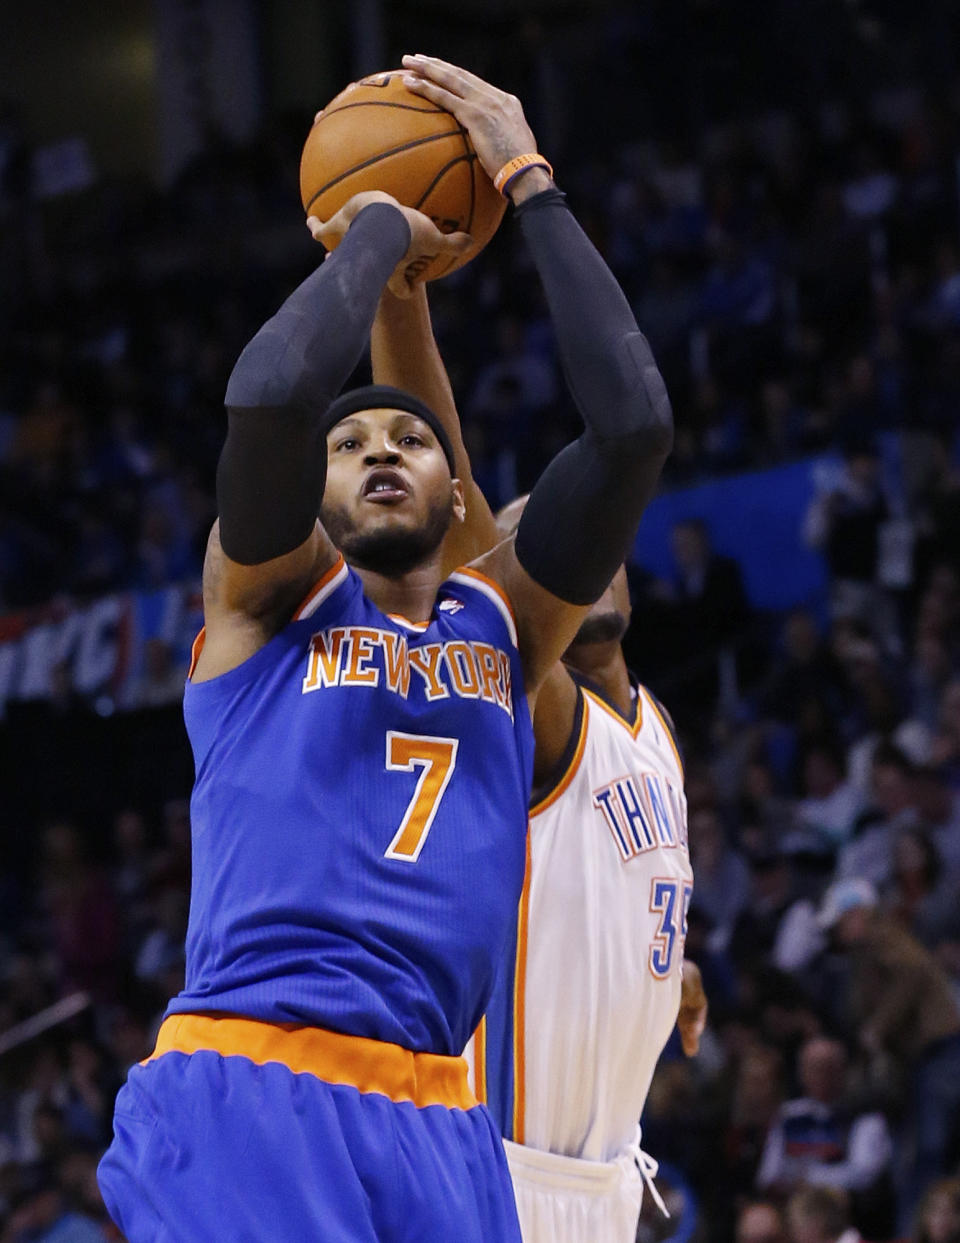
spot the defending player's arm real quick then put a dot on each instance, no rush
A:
(692, 1016)
(267, 547)
(583, 513)
(404, 353)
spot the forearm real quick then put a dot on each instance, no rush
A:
(583, 513)
(304, 353)
(404, 353)
(606, 360)
(272, 468)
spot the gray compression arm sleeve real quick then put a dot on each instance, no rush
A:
(583, 513)
(272, 469)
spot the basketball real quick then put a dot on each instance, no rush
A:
(377, 135)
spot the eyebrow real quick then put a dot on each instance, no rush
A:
(409, 417)
(345, 425)
(405, 416)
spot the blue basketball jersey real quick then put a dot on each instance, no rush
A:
(359, 818)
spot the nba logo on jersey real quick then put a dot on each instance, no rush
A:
(450, 605)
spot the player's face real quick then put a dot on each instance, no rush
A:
(389, 498)
(609, 618)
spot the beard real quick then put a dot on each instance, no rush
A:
(391, 553)
(601, 628)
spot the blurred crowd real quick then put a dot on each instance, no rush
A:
(798, 274)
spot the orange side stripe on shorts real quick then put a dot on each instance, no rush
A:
(480, 1060)
(367, 1065)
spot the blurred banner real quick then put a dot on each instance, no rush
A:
(118, 653)
(757, 518)
(208, 77)
(132, 650)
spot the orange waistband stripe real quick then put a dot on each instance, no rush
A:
(367, 1065)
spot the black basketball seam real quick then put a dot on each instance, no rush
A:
(446, 168)
(472, 155)
(381, 155)
(376, 103)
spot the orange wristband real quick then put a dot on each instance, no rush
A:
(517, 165)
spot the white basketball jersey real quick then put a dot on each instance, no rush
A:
(567, 1050)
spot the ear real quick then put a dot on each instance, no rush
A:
(459, 504)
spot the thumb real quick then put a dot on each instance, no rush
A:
(690, 1023)
(457, 243)
(330, 232)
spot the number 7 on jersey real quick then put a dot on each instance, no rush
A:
(437, 758)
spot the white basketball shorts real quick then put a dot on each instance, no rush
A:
(566, 1200)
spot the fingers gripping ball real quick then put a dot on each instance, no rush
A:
(377, 135)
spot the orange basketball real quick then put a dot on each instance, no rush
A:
(377, 135)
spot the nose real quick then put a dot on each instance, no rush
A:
(381, 457)
(383, 454)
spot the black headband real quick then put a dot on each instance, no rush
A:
(383, 397)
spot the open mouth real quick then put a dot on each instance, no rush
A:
(384, 485)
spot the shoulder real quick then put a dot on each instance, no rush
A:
(664, 717)
(544, 623)
(472, 583)
(231, 636)
(560, 730)
(266, 593)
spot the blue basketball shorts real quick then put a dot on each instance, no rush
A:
(249, 1132)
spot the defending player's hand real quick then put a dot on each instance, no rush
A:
(692, 1018)
(426, 241)
(493, 118)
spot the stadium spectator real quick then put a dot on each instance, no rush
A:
(945, 748)
(831, 805)
(902, 1004)
(920, 894)
(83, 916)
(938, 807)
(844, 521)
(760, 1221)
(805, 668)
(822, 1139)
(757, 1095)
(723, 885)
(869, 854)
(820, 1215)
(938, 1217)
(40, 1215)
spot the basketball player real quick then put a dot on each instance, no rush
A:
(567, 1051)
(361, 730)
(566, 1054)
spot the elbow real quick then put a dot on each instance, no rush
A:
(658, 425)
(264, 375)
(646, 425)
(657, 437)
(647, 435)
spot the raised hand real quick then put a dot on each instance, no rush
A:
(692, 1018)
(426, 241)
(493, 118)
